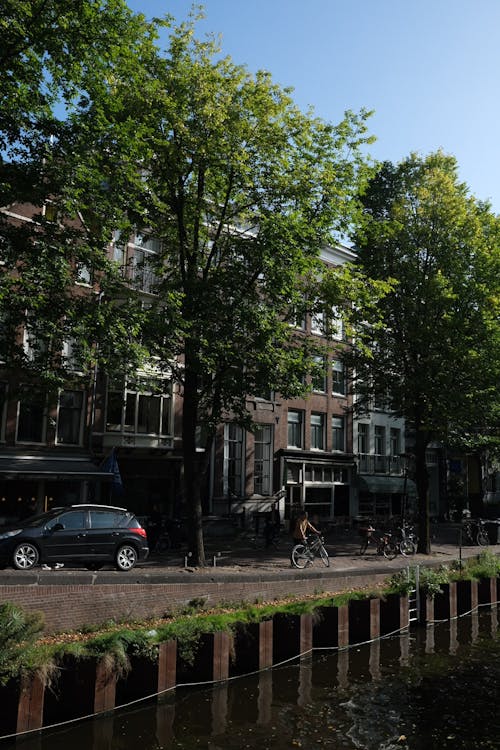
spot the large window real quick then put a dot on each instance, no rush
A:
(233, 458)
(31, 418)
(295, 429)
(318, 432)
(263, 437)
(319, 376)
(69, 417)
(338, 377)
(138, 410)
(338, 434)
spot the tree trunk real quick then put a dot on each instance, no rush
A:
(422, 482)
(193, 468)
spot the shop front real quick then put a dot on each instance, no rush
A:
(34, 483)
(319, 485)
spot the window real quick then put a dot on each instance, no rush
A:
(70, 354)
(338, 377)
(379, 448)
(233, 458)
(318, 380)
(363, 438)
(142, 271)
(318, 432)
(263, 437)
(295, 429)
(33, 345)
(69, 417)
(395, 440)
(31, 418)
(335, 325)
(136, 411)
(148, 242)
(83, 274)
(50, 211)
(338, 434)
(74, 519)
(105, 519)
(318, 323)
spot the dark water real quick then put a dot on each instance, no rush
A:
(434, 688)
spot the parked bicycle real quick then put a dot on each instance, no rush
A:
(406, 539)
(383, 542)
(474, 532)
(304, 554)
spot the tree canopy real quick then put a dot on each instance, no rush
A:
(436, 358)
(183, 145)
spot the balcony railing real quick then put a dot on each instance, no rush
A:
(374, 463)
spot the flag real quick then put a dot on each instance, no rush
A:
(110, 464)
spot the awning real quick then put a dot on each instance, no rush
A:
(53, 469)
(387, 485)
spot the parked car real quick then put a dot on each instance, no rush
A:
(92, 535)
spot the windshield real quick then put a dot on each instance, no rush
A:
(41, 519)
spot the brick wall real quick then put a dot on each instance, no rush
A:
(69, 606)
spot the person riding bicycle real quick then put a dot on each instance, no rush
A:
(302, 526)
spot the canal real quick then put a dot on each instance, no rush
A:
(436, 687)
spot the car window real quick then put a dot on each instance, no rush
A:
(100, 519)
(74, 519)
(132, 522)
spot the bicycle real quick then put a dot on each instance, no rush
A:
(384, 543)
(474, 532)
(304, 553)
(406, 540)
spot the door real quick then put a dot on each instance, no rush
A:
(105, 533)
(65, 537)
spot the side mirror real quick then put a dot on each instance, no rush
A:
(58, 527)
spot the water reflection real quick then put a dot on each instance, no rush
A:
(431, 688)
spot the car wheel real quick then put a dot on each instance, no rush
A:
(25, 556)
(126, 557)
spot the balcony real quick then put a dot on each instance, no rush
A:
(374, 463)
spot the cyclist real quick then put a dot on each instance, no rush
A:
(302, 526)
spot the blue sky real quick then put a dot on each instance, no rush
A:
(428, 68)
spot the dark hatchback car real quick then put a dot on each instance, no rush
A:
(92, 535)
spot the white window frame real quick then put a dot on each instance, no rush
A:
(338, 367)
(297, 430)
(317, 431)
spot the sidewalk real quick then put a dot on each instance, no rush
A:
(240, 557)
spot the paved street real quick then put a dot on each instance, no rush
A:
(241, 557)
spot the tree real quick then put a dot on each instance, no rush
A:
(243, 190)
(56, 60)
(241, 187)
(436, 358)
